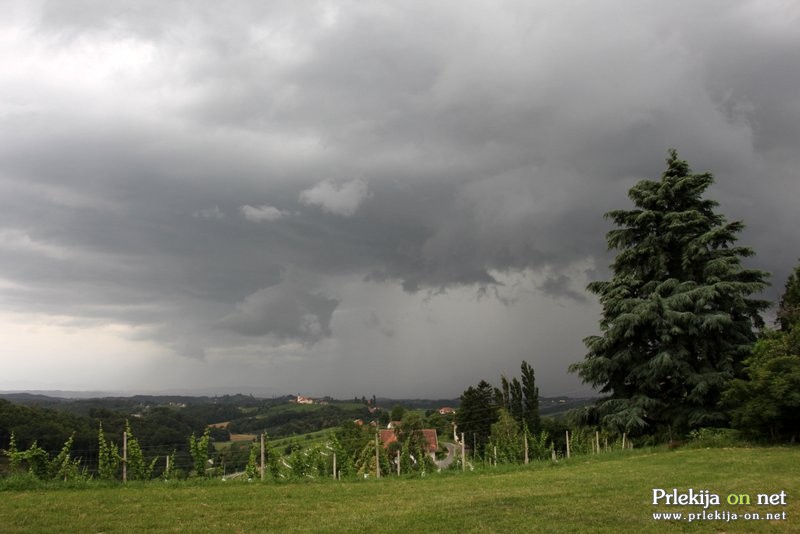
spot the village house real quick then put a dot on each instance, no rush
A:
(304, 400)
(388, 436)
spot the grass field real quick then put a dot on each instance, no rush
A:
(607, 493)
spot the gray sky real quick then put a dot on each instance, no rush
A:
(357, 198)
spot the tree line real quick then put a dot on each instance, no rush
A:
(498, 422)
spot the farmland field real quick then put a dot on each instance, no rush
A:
(607, 493)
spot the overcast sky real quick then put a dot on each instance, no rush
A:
(397, 198)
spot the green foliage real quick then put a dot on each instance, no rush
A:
(677, 318)
(138, 468)
(49, 428)
(365, 461)
(345, 459)
(198, 449)
(516, 403)
(414, 456)
(287, 419)
(767, 403)
(397, 413)
(170, 470)
(714, 437)
(13, 455)
(521, 399)
(540, 446)
(349, 441)
(41, 466)
(506, 444)
(530, 394)
(251, 471)
(789, 308)
(63, 466)
(476, 415)
(611, 491)
(443, 424)
(271, 458)
(37, 460)
(108, 457)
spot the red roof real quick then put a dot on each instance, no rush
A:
(388, 436)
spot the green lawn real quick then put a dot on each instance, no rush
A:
(606, 493)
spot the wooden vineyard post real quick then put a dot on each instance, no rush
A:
(124, 456)
(526, 448)
(262, 456)
(567, 444)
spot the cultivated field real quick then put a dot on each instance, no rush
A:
(608, 493)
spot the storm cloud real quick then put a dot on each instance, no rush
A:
(352, 198)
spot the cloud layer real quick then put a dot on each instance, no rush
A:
(274, 188)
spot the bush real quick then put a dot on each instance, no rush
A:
(715, 437)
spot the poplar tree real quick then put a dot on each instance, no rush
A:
(677, 317)
(531, 403)
(789, 307)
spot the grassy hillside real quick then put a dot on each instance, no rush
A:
(606, 493)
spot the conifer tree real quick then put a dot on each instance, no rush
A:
(677, 318)
(476, 414)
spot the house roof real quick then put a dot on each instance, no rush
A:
(388, 436)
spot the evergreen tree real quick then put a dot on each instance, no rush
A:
(677, 318)
(476, 415)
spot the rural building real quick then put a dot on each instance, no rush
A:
(388, 436)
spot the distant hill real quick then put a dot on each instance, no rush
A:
(548, 406)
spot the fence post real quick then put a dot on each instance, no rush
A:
(567, 444)
(526, 448)
(262, 456)
(463, 454)
(377, 457)
(124, 456)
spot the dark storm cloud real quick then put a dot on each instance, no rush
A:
(207, 171)
(285, 311)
